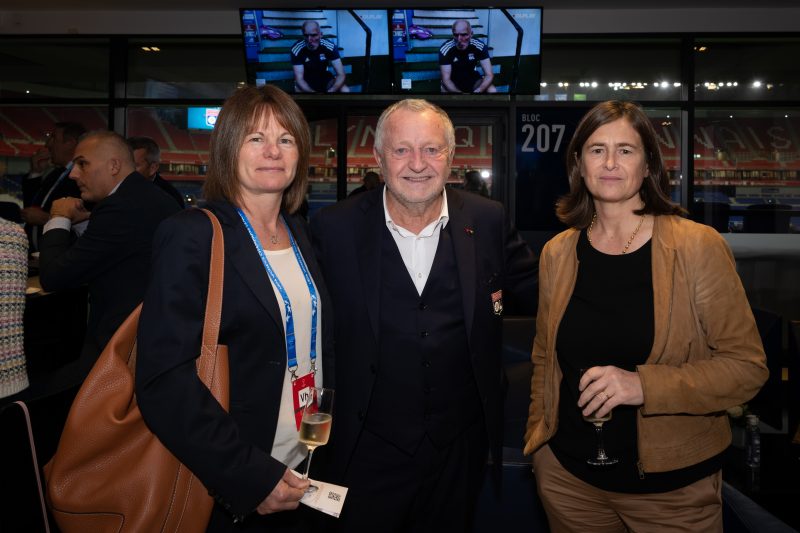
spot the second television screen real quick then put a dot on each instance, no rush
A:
(318, 50)
(441, 51)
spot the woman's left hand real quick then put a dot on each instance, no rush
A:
(605, 387)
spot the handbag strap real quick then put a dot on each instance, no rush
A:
(216, 274)
(211, 322)
(206, 363)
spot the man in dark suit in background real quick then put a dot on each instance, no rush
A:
(419, 277)
(48, 179)
(113, 255)
(147, 159)
(370, 181)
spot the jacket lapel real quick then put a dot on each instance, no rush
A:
(462, 231)
(242, 254)
(567, 274)
(663, 258)
(369, 234)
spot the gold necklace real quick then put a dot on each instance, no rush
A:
(627, 244)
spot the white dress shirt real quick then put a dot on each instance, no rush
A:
(418, 250)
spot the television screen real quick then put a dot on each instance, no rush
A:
(492, 50)
(318, 50)
(202, 118)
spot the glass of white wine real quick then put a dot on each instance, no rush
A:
(315, 427)
(601, 458)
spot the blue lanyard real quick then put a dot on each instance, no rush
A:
(291, 349)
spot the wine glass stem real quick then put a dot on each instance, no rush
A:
(601, 452)
(308, 462)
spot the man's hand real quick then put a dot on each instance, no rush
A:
(34, 215)
(285, 496)
(40, 161)
(69, 207)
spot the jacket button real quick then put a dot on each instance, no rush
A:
(372, 368)
(426, 363)
(423, 306)
(361, 415)
(423, 334)
(426, 389)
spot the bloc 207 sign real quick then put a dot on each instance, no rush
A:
(542, 138)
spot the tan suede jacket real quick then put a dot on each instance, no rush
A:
(706, 356)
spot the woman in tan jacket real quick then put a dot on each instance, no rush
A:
(649, 306)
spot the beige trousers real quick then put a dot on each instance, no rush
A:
(575, 506)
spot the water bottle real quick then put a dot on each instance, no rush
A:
(753, 452)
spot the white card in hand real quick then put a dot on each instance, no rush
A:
(328, 498)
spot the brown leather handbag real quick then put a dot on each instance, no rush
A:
(110, 472)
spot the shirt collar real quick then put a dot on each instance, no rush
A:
(444, 216)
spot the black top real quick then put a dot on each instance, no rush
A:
(315, 62)
(463, 62)
(610, 321)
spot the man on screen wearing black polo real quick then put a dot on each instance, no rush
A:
(311, 56)
(458, 59)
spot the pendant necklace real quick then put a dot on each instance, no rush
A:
(627, 244)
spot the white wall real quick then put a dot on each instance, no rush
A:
(226, 22)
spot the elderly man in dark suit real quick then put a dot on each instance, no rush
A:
(419, 277)
(113, 255)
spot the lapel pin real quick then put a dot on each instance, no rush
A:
(469, 231)
(497, 302)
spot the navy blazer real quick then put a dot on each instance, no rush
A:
(112, 256)
(228, 452)
(491, 257)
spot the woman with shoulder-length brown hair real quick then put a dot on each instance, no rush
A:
(641, 314)
(272, 319)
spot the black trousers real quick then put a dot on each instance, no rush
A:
(434, 489)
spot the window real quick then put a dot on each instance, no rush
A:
(746, 169)
(579, 69)
(322, 172)
(46, 67)
(165, 68)
(746, 69)
(23, 131)
(184, 150)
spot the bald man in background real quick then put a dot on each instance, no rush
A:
(112, 256)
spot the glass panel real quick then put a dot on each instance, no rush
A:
(184, 150)
(667, 123)
(54, 68)
(360, 139)
(472, 164)
(746, 164)
(605, 69)
(161, 67)
(322, 172)
(747, 69)
(23, 131)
